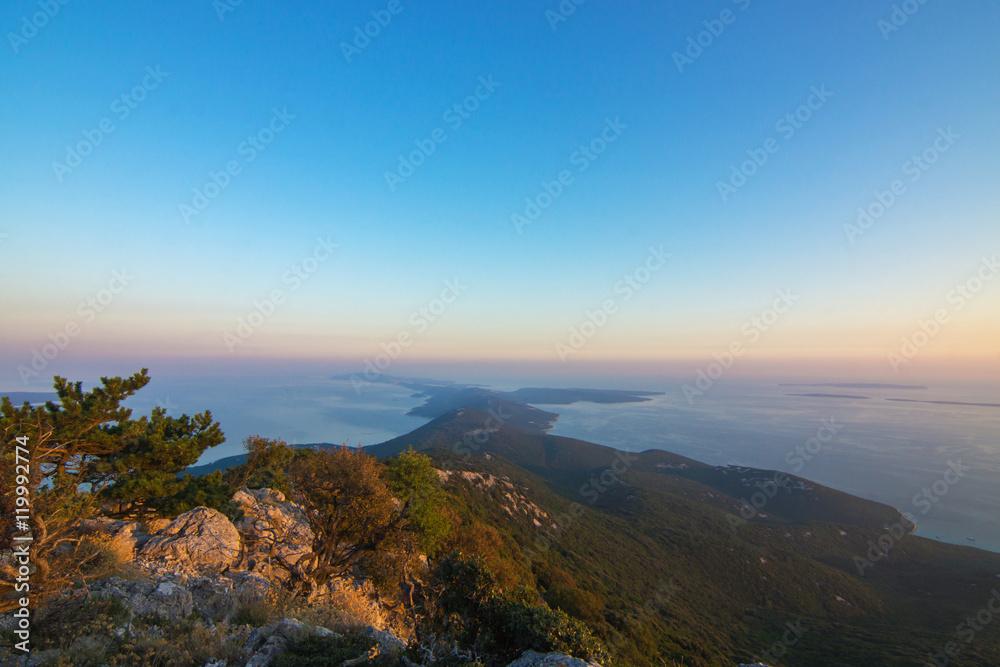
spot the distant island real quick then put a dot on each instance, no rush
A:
(830, 396)
(975, 405)
(18, 398)
(443, 397)
(856, 385)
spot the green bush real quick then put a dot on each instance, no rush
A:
(512, 627)
(266, 466)
(481, 613)
(210, 490)
(58, 625)
(575, 602)
(316, 651)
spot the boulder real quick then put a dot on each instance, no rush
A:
(202, 540)
(154, 526)
(213, 597)
(124, 538)
(33, 659)
(275, 532)
(165, 600)
(276, 637)
(387, 642)
(534, 659)
(247, 584)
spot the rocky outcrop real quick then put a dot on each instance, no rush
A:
(273, 639)
(275, 532)
(388, 643)
(122, 537)
(534, 659)
(214, 598)
(203, 563)
(203, 540)
(166, 600)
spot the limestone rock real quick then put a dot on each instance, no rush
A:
(275, 532)
(534, 659)
(123, 537)
(276, 637)
(213, 597)
(33, 659)
(154, 526)
(248, 584)
(387, 642)
(165, 600)
(202, 539)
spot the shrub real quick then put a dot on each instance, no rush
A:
(58, 625)
(349, 508)
(258, 610)
(81, 452)
(266, 466)
(316, 651)
(348, 611)
(210, 490)
(180, 645)
(415, 482)
(575, 602)
(512, 627)
(478, 611)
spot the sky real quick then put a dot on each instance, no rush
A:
(637, 187)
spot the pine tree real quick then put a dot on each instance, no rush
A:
(81, 452)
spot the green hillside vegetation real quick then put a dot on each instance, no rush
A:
(667, 524)
(532, 540)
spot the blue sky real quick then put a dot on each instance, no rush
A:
(656, 185)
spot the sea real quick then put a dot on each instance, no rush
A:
(937, 462)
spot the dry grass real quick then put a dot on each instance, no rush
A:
(103, 556)
(258, 610)
(331, 617)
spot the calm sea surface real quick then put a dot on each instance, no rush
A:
(884, 450)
